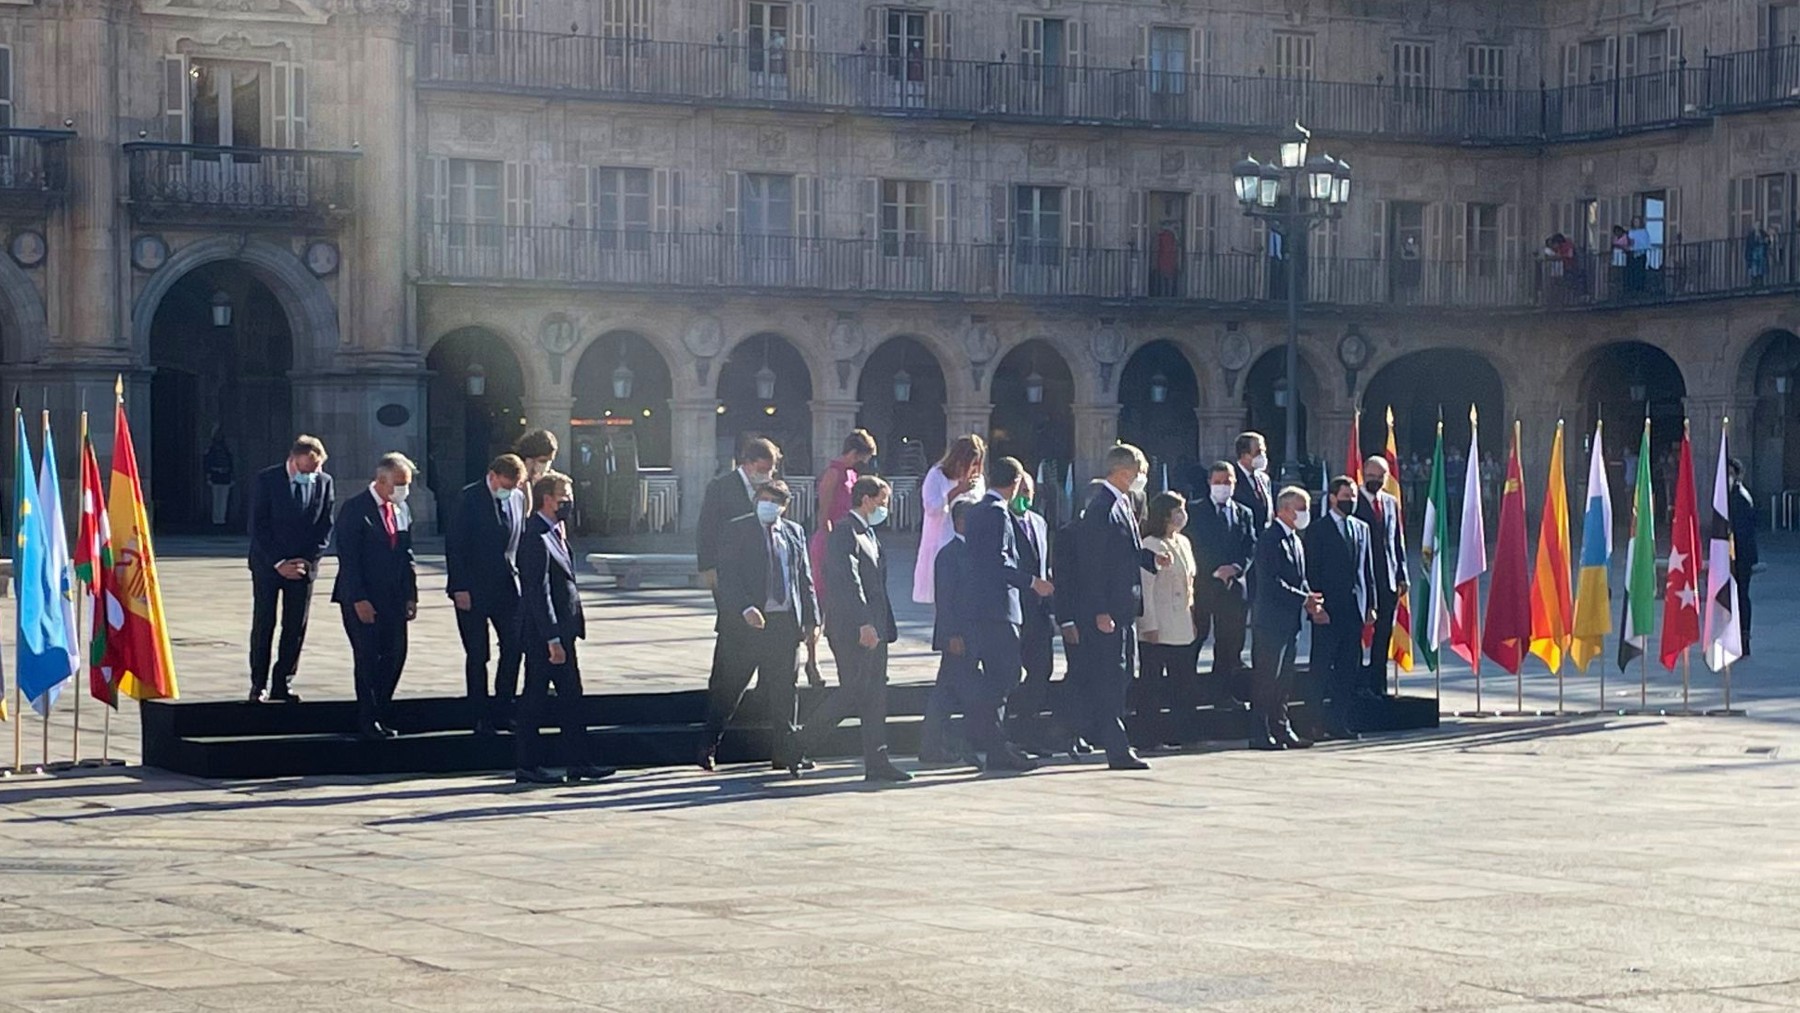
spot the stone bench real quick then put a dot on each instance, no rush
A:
(631, 570)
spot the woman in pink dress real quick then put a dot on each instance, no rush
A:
(956, 476)
(834, 499)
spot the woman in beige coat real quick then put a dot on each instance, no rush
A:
(1168, 644)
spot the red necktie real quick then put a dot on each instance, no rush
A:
(387, 521)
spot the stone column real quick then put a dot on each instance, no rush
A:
(832, 420)
(1332, 444)
(1096, 430)
(1219, 429)
(86, 309)
(693, 431)
(381, 126)
(552, 410)
(963, 419)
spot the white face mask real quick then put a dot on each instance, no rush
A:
(1259, 463)
(1301, 520)
(768, 511)
(1221, 494)
(1140, 483)
(399, 494)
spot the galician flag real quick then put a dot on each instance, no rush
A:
(1434, 553)
(137, 645)
(46, 647)
(1552, 601)
(1593, 611)
(1638, 611)
(1724, 637)
(94, 568)
(1471, 560)
(1400, 645)
(1681, 594)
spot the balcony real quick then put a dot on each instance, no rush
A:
(567, 65)
(207, 183)
(34, 168)
(1755, 79)
(557, 256)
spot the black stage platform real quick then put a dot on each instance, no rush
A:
(235, 739)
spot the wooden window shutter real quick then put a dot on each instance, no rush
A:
(668, 200)
(943, 211)
(1379, 237)
(520, 177)
(998, 213)
(734, 184)
(175, 99)
(1134, 219)
(808, 195)
(585, 218)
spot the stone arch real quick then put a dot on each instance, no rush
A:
(1159, 400)
(950, 357)
(1417, 384)
(786, 417)
(1611, 376)
(24, 331)
(1038, 431)
(1767, 381)
(910, 434)
(312, 313)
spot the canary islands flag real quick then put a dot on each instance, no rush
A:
(1593, 616)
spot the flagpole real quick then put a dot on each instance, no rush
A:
(82, 662)
(1687, 668)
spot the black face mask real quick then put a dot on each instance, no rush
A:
(565, 511)
(1373, 486)
(1345, 506)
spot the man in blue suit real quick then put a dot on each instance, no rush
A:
(377, 588)
(1342, 568)
(997, 578)
(1223, 531)
(290, 523)
(951, 633)
(481, 557)
(1281, 597)
(1109, 563)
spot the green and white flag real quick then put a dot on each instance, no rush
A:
(1431, 623)
(1638, 613)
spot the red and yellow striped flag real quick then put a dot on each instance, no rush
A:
(1400, 645)
(137, 641)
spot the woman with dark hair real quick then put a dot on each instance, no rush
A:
(834, 487)
(956, 476)
(1168, 644)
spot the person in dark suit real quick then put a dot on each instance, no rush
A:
(1281, 596)
(957, 689)
(1341, 567)
(1037, 637)
(859, 624)
(767, 611)
(1110, 559)
(481, 557)
(377, 588)
(997, 580)
(290, 524)
(1743, 538)
(550, 622)
(1387, 543)
(1252, 473)
(1224, 535)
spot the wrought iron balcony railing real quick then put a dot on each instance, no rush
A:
(34, 166)
(617, 68)
(895, 267)
(209, 182)
(1754, 79)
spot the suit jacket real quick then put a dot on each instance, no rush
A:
(950, 586)
(724, 502)
(856, 583)
(1387, 541)
(1743, 526)
(1281, 584)
(481, 549)
(1220, 541)
(1341, 567)
(1033, 537)
(1256, 492)
(369, 568)
(547, 590)
(282, 529)
(744, 572)
(1109, 562)
(996, 575)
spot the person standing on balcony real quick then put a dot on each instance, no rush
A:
(956, 476)
(1756, 254)
(1621, 261)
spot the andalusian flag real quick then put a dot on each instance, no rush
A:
(1639, 607)
(137, 645)
(1552, 602)
(1471, 559)
(1400, 645)
(94, 568)
(1434, 552)
(1593, 612)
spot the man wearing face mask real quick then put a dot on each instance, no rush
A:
(1387, 543)
(377, 588)
(551, 621)
(290, 523)
(1341, 568)
(1109, 563)
(859, 623)
(1252, 474)
(1282, 596)
(1224, 537)
(480, 558)
(998, 580)
(1037, 635)
(728, 497)
(767, 611)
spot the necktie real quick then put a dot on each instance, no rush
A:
(299, 495)
(387, 521)
(777, 590)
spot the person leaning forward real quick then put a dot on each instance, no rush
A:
(481, 562)
(290, 524)
(377, 588)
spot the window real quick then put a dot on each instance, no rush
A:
(620, 199)
(472, 27)
(1169, 60)
(768, 38)
(1042, 44)
(229, 102)
(1765, 201)
(905, 204)
(475, 202)
(1293, 56)
(1487, 68)
(1482, 226)
(905, 39)
(1653, 208)
(1591, 61)
(1038, 224)
(1652, 52)
(1412, 71)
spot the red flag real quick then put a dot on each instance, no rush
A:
(94, 567)
(1506, 635)
(1681, 600)
(137, 641)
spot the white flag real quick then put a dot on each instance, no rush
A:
(1723, 637)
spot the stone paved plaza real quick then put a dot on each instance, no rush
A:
(1629, 863)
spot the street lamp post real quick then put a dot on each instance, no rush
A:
(1316, 188)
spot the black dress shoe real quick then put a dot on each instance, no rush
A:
(1340, 733)
(1081, 748)
(1128, 760)
(590, 772)
(258, 696)
(1265, 743)
(1009, 759)
(707, 758)
(375, 731)
(535, 775)
(1291, 739)
(283, 695)
(803, 763)
(390, 731)
(883, 771)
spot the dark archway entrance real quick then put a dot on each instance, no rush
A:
(1265, 409)
(1034, 418)
(1422, 387)
(765, 389)
(1158, 396)
(221, 349)
(475, 407)
(1622, 381)
(1774, 450)
(902, 391)
(621, 429)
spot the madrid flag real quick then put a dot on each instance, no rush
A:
(1681, 595)
(137, 643)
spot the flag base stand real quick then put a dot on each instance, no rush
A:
(1476, 714)
(61, 766)
(93, 763)
(1527, 714)
(31, 770)
(1725, 712)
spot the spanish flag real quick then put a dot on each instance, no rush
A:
(1593, 613)
(137, 638)
(1552, 601)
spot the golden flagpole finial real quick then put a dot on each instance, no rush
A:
(1390, 416)
(119, 387)
(1472, 414)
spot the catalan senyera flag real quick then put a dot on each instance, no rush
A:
(94, 568)
(1638, 608)
(1400, 645)
(1471, 559)
(1434, 553)
(1506, 635)
(137, 645)
(1593, 613)
(1552, 600)
(1681, 594)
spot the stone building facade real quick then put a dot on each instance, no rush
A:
(657, 227)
